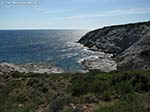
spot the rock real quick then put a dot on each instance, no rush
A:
(104, 64)
(98, 61)
(6, 68)
(129, 44)
(137, 56)
(9, 67)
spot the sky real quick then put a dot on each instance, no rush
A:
(71, 14)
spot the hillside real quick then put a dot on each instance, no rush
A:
(89, 92)
(130, 44)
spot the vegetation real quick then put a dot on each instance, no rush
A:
(89, 92)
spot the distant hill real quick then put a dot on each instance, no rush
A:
(129, 43)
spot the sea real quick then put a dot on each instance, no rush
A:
(56, 47)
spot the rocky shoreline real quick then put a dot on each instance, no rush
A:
(102, 62)
(129, 44)
(122, 47)
(41, 68)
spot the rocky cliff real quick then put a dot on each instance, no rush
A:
(129, 43)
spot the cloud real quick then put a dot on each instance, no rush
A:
(109, 13)
(55, 11)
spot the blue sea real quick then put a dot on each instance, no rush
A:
(57, 47)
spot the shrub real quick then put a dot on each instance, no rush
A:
(16, 74)
(124, 88)
(89, 98)
(57, 103)
(72, 110)
(38, 84)
(81, 84)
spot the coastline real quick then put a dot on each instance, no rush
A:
(35, 87)
(41, 68)
(102, 62)
(129, 44)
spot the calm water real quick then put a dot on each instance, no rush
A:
(57, 47)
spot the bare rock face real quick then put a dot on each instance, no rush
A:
(137, 56)
(100, 62)
(130, 44)
(6, 68)
(97, 63)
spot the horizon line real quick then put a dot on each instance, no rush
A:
(44, 29)
(75, 28)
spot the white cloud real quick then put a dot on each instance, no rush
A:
(109, 13)
(55, 11)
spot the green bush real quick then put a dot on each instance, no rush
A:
(101, 84)
(124, 88)
(57, 103)
(131, 103)
(38, 84)
(88, 98)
